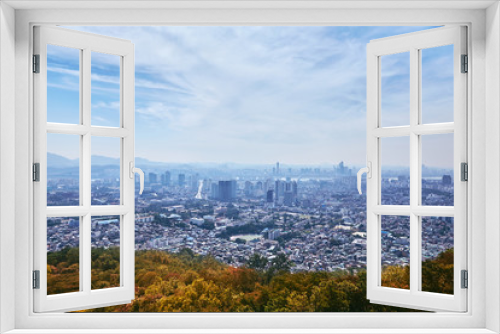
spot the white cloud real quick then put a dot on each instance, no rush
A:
(250, 94)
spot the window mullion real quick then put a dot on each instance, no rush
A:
(414, 169)
(86, 242)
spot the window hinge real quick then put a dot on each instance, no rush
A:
(465, 279)
(36, 63)
(36, 279)
(464, 168)
(36, 172)
(465, 64)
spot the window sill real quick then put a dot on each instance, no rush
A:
(250, 331)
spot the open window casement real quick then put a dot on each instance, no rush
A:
(408, 225)
(68, 67)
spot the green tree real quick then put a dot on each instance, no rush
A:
(257, 261)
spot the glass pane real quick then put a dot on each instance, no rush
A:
(437, 84)
(395, 89)
(395, 168)
(63, 169)
(437, 254)
(395, 256)
(105, 89)
(105, 252)
(106, 170)
(63, 255)
(63, 84)
(437, 170)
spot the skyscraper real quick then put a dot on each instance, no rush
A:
(276, 190)
(214, 190)
(227, 191)
(181, 180)
(248, 188)
(341, 168)
(153, 178)
(270, 196)
(278, 168)
(193, 181)
(288, 200)
(166, 178)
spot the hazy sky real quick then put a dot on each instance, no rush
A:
(250, 94)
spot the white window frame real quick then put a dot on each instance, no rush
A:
(413, 43)
(86, 44)
(484, 147)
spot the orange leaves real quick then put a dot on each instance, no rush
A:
(187, 282)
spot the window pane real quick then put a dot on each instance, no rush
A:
(437, 170)
(395, 89)
(63, 169)
(437, 84)
(105, 89)
(106, 170)
(437, 254)
(63, 255)
(395, 246)
(63, 84)
(105, 252)
(395, 169)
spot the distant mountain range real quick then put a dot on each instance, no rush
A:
(55, 161)
(58, 161)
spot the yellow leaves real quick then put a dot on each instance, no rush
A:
(298, 302)
(146, 279)
(396, 277)
(191, 283)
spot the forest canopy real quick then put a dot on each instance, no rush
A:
(186, 282)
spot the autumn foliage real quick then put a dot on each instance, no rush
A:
(186, 282)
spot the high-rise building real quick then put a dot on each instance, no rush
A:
(193, 181)
(214, 190)
(270, 196)
(341, 168)
(288, 200)
(181, 180)
(165, 178)
(278, 168)
(153, 178)
(276, 190)
(227, 191)
(248, 188)
(234, 189)
(446, 179)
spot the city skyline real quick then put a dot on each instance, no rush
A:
(107, 160)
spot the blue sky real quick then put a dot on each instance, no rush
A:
(253, 94)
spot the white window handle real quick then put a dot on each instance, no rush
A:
(368, 171)
(134, 170)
